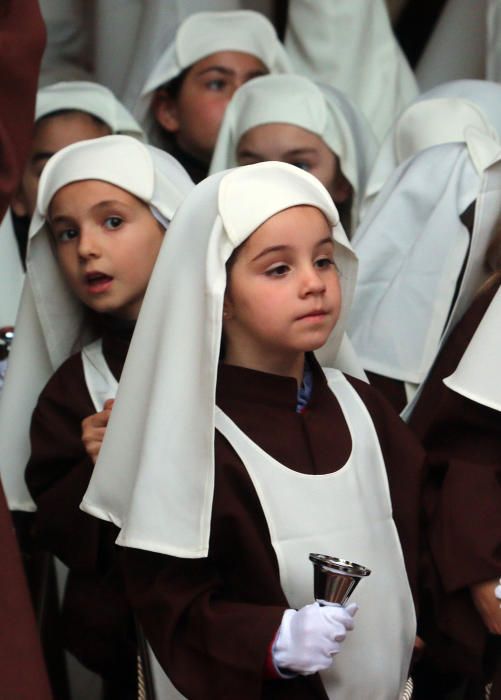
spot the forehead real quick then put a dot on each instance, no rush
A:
(281, 136)
(54, 132)
(235, 61)
(300, 224)
(81, 195)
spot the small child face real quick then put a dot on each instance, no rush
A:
(283, 296)
(51, 134)
(195, 115)
(106, 243)
(292, 144)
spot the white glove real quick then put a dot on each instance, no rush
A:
(308, 638)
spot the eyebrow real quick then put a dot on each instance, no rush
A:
(41, 155)
(278, 248)
(100, 205)
(295, 152)
(229, 71)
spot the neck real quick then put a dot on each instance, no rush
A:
(288, 366)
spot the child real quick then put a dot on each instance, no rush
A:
(65, 112)
(94, 239)
(302, 461)
(421, 248)
(457, 418)
(289, 118)
(183, 101)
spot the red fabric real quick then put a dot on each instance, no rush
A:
(22, 40)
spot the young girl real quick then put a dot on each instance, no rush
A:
(65, 113)
(218, 533)
(94, 239)
(183, 101)
(289, 118)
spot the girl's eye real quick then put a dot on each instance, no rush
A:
(216, 85)
(67, 234)
(324, 263)
(113, 222)
(302, 166)
(278, 271)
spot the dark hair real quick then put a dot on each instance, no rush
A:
(173, 87)
(62, 112)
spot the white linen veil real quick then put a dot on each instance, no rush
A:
(413, 248)
(444, 114)
(154, 477)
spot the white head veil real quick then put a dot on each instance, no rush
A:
(88, 97)
(477, 376)
(293, 99)
(204, 33)
(50, 324)
(412, 249)
(155, 474)
(444, 114)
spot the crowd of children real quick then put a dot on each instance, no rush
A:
(221, 301)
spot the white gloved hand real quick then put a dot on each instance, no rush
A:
(308, 639)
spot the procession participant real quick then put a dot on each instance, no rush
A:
(94, 239)
(183, 100)
(217, 511)
(291, 119)
(22, 38)
(457, 419)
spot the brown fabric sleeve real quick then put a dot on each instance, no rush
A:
(22, 40)
(22, 671)
(59, 470)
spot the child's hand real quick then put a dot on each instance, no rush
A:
(93, 429)
(308, 638)
(487, 604)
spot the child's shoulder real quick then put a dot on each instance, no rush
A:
(66, 384)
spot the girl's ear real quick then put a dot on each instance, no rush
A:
(342, 189)
(18, 204)
(165, 111)
(227, 308)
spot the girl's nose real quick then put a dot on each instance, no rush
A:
(88, 244)
(312, 281)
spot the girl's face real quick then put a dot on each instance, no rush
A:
(106, 243)
(283, 296)
(292, 144)
(51, 134)
(195, 115)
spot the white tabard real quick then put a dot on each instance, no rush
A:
(346, 514)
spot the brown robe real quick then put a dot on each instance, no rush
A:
(97, 623)
(211, 621)
(463, 509)
(22, 38)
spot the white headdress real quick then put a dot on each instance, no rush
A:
(88, 97)
(205, 33)
(413, 250)
(445, 114)
(161, 431)
(50, 325)
(293, 99)
(477, 376)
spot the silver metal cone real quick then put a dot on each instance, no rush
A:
(334, 580)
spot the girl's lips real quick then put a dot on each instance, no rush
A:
(313, 315)
(97, 282)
